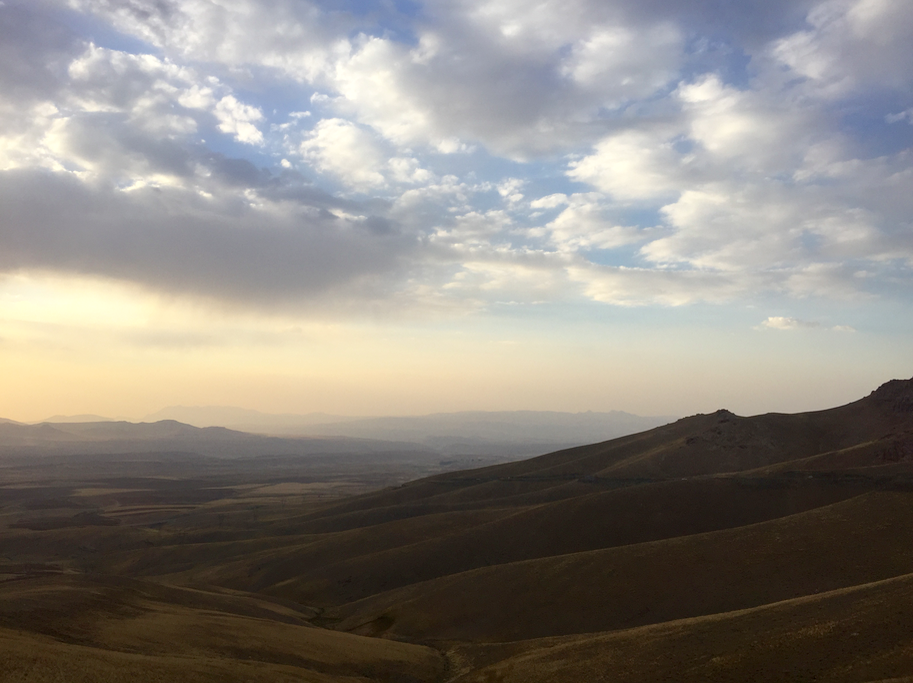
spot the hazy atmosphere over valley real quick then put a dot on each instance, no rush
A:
(401, 208)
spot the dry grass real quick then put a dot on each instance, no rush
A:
(716, 548)
(106, 623)
(850, 635)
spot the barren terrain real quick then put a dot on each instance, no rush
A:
(718, 547)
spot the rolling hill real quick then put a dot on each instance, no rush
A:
(717, 547)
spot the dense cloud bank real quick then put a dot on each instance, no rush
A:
(180, 242)
(456, 153)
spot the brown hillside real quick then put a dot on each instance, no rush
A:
(725, 548)
(354, 564)
(853, 635)
(864, 539)
(700, 445)
(92, 629)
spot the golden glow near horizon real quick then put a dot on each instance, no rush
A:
(74, 346)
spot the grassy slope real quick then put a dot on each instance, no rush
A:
(857, 541)
(850, 635)
(355, 564)
(104, 629)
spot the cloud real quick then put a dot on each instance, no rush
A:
(583, 225)
(749, 131)
(35, 47)
(339, 146)
(522, 81)
(129, 119)
(608, 58)
(239, 120)
(777, 322)
(355, 156)
(757, 181)
(272, 254)
(783, 323)
(495, 276)
(476, 231)
(475, 147)
(729, 227)
(295, 36)
(549, 202)
(632, 165)
(906, 115)
(718, 133)
(631, 286)
(852, 45)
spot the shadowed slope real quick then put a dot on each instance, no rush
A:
(857, 541)
(852, 635)
(350, 565)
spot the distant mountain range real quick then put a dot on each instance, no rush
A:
(238, 431)
(245, 419)
(82, 418)
(528, 432)
(165, 436)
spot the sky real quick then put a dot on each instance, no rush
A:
(405, 207)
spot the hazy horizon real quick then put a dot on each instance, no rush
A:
(224, 415)
(359, 208)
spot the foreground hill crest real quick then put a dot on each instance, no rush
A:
(896, 394)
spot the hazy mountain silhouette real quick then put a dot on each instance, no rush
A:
(243, 419)
(173, 436)
(80, 418)
(517, 433)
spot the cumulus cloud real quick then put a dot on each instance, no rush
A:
(610, 56)
(341, 148)
(783, 323)
(476, 149)
(632, 286)
(583, 225)
(758, 182)
(520, 80)
(514, 277)
(239, 120)
(727, 228)
(719, 132)
(296, 36)
(900, 116)
(356, 157)
(751, 131)
(778, 322)
(130, 119)
(633, 165)
(851, 45)
(549, 202)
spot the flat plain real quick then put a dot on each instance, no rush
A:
(717, 547)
